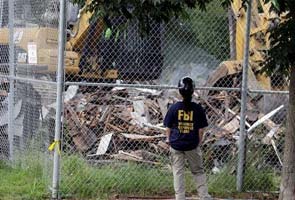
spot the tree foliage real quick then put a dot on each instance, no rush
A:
(143, 11)
(281, 55)
(281, 60)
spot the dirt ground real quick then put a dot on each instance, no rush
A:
(240, 196)
(160, 198)
(188, 198)
(245, 196)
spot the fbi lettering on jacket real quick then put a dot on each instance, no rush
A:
(185, 121)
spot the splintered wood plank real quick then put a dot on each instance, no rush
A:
(196, 94)
(140, 113)
(163, 104)
(3, 93)
(82, 136)
(145, 138)
(104, 144)
(232, 126)
(265, 119)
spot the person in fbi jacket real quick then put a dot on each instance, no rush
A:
(185, 122)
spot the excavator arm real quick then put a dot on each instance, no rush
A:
(262, 20)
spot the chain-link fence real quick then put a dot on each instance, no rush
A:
(26, 44)
(117, 89)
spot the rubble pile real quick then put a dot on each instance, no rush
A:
(126, 124)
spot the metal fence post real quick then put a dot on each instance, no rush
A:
(1, 11)
(11, 80)
(243, 132)
(59, 99)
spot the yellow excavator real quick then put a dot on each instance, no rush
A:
(89, 54)
(263, 19)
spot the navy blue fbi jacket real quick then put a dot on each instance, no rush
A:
(185, 122)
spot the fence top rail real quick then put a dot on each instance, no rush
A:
(148, 86)
(269, 91)
(27, 79)
(171, 87)
(142, 85)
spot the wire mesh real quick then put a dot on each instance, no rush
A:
(4, 82)
(265, 141)
(113, 137)
(119, 131)
(4, 144)
(33, 58)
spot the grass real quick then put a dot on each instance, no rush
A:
(224, 183)
(29, 178)
(22, 183)
(82, 180)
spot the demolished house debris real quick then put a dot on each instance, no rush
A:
(107, 124)
(126, 124)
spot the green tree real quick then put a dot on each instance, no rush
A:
(143, 11)
(281, 60)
